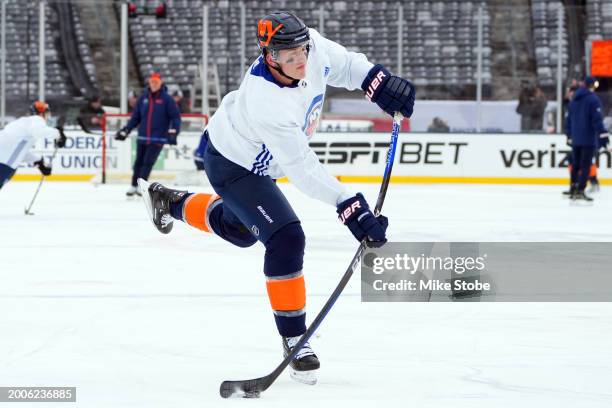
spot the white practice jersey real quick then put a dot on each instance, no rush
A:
(265, 127)
(19, 136)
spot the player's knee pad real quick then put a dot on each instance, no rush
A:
(285, 250)
(226, 225)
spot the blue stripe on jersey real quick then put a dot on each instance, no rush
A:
(262, 161)
(153, 139)
(11, 160)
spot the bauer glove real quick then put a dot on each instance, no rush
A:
(391, 93)
(356, 215)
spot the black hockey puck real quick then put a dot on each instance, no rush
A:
(251, 394)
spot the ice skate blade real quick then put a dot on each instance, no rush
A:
(304, 377)
(581, 203)
(593, 190)
(146, 197)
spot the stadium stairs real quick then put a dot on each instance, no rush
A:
(512, 56)
(78, 74)
(102, 31)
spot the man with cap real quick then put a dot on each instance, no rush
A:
(586, 133)
(159, 122)
(177, 95)
(90, 116)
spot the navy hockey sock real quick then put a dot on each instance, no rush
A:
(285, 282)
(176, 209)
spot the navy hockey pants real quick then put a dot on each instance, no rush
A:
(6, 173)
(582, 158)
(255, 205)
(254, 200)
(146, 156)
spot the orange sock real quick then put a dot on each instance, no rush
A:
(287, 295)
(593, 171)
(195, 209)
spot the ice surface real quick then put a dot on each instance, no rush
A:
(92, 296)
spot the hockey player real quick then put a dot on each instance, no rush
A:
(19, 136)
(586, 132)
(260, 133)
(159, 122)
(198, 153)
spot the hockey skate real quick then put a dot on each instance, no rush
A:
(304, 364)
(579, 197)
(157, 200)
(569, 193)
(133, 191)
(594, 188)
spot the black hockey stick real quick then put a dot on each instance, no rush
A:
(28, 211)
(253, 388)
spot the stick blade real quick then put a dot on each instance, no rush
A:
(244, 388)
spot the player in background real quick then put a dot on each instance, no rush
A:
(198, 153)
(19, 136)
(586, 134)
(593, 180)
(260, 133)
(159, 122)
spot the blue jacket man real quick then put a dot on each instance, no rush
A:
(159, 122)
(586, 134)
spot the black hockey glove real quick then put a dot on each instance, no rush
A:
(122, 134)
(45, 170)
(356, 215)
(172, 137)
(199, 162)
(391, 93)
(61, 141)
(604, 140)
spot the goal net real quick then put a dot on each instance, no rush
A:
(175, 164)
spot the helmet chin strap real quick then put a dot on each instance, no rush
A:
(280, 71)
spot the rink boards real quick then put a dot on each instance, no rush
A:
(357, 157)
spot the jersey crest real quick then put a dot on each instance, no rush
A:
(313, 116)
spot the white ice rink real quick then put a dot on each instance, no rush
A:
(92, 296)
